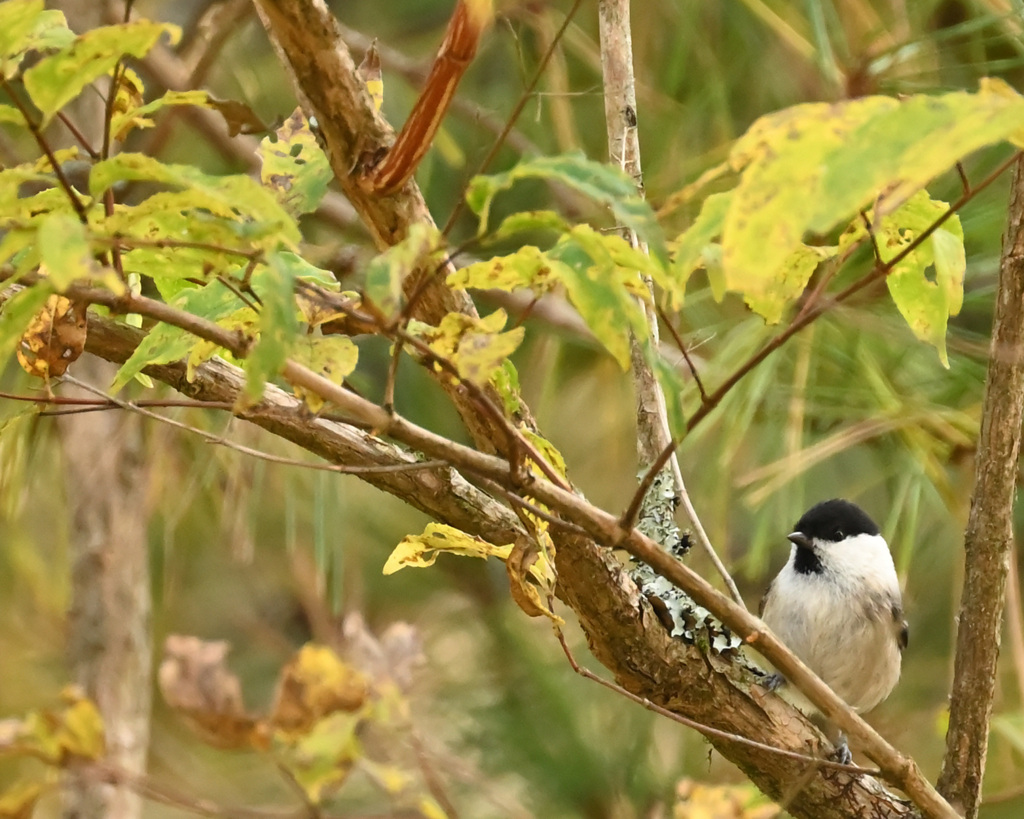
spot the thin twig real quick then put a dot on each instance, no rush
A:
(44, 146)
(219, 440)
(680, 344)
(516, 111)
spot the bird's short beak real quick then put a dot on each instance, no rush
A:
(800, 539)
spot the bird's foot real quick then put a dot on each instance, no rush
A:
(841, 753)
(773, 682)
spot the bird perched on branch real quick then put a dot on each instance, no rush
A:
(837, 605)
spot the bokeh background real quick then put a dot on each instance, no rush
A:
(269, 556)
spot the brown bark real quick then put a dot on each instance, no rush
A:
(989, 537)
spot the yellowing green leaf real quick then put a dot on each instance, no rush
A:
(812, 167)
(65, 250)
(294, 167)
(422, 550)
(385, 274)
(528, 267)
(81, 731)
(786, 157)
(475, 347)
(333, 357)
(689, 246)
(322, 759)
(603, 183)
(548, 451)
(57, 79)
(25, 26)
(254, 210)
(135, 114)
(789, 283)
(597, 290)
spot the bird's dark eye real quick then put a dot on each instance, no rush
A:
(837, 535)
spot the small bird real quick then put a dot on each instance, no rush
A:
(837, 605)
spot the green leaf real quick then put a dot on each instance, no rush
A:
(603, 183)
(386, 272)
(333, 357)
(24, 27)
(529, 221)
(256, 213)
(9, 115)
(596, 289)
(691, 243)
(166, 343)
(506, 383)
(57, 79)
(925, 302)
(294, 166)
(64, 249)
(278, 323)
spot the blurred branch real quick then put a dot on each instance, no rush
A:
(989, 536)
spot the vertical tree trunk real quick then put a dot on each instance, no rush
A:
(989, 536)
(109, 643)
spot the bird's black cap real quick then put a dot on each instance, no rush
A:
(834, 520)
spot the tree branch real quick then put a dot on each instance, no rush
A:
(637, 649)
(989, 537)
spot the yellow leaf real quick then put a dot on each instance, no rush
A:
(315, 683)
(81, 732)
(421, 550)
(532, 576)
(19, 800)
(333, 357)
(55, 338)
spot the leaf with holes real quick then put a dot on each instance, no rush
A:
(294, 167)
